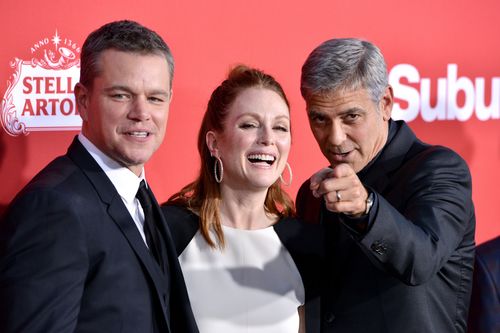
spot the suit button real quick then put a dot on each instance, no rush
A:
(329, 317)
(379, 247)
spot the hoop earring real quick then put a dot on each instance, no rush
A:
(218, 161)
(291, 175)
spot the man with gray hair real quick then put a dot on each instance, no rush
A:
(397, 213)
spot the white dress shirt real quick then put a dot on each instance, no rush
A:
(124, 180)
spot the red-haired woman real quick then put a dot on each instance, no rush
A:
(249, 265)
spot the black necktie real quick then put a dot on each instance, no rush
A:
(153, 238)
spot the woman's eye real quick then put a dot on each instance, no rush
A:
(281, 128)
(248, 125)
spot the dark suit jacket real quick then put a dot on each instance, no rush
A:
(411, 271)
(303, 242)
(484, 314)
(72, 259)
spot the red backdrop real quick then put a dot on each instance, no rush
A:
(208, 37)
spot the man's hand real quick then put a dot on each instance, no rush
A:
(341, 189)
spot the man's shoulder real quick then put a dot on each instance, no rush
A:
(56, 195)
(62, 180)
(435, 161)
(59, 184)
(50, 177)
(490, 251)
(430, 152)
(420, 152)
(55, 173)
(487, 264)
(61, 175)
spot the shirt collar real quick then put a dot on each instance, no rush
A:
(124, 180)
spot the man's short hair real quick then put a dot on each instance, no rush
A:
(126, 36)
(346, 63)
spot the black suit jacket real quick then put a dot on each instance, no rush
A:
(72, 259)
(412, 270)
(484, 314)
(303, 242)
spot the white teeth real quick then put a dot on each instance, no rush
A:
(139, 134)
(261, 157)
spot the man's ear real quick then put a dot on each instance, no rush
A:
(386, 103)
(211, 140)
(82, 100)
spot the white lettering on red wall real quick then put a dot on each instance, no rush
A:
(453, 97)
(39, 95)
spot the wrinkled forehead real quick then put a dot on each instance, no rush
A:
(110, 55)
(330, 89)
(338, 97)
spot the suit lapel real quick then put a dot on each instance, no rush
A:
(120, 215)
(390, 158)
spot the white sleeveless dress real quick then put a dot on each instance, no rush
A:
(252, 286)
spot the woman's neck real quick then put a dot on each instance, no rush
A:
(244, 209)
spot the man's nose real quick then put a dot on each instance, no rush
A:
(337, 134)
(139, 109)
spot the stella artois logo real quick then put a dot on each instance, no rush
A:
(39, 95)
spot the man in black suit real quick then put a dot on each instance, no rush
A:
(78, 251)
(397, 213)
(484, 314)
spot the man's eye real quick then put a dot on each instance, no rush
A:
(319, 119)
(156, 99)
(119, 96)
(352, 117)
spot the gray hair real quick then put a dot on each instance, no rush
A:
(126, 36)
(345, 63)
